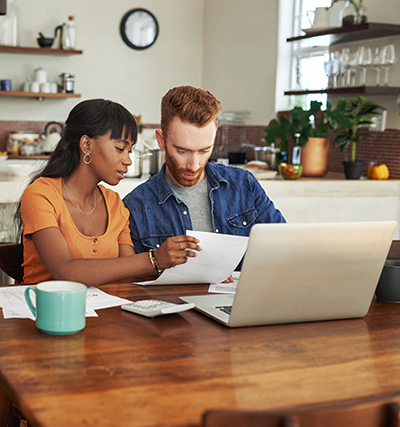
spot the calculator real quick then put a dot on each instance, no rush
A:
(153, 308)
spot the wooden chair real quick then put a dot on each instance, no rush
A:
(11, 259)
(368, 414)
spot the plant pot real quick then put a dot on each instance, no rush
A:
(315, 157)
(352, 170)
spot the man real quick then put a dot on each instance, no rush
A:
(189, 193)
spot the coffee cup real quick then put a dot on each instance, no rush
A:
(45, 87)
(35, 87)
(60, 306)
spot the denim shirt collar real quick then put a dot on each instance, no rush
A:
(164, 190)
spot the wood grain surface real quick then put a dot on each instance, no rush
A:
(128, 370)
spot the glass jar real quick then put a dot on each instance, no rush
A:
(349, 15)
(8, 25)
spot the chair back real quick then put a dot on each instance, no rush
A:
(11, 259)
(375, 414)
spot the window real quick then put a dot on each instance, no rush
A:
(307, 61)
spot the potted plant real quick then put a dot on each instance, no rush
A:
(313, 126)
(353, 12)
(349, 115)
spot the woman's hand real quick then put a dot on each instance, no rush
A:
(173, 251)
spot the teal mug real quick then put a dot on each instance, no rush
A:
(60, 306)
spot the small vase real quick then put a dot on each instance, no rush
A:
(349, 16)
(352, 170)
(315, 157)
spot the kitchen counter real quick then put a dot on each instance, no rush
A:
(328, 199)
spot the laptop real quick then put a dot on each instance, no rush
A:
(303, 273)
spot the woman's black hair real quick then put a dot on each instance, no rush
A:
(94, 118)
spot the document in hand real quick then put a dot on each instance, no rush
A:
(220, 255)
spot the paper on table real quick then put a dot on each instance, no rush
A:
(225, 288)
(12, 301)
(219, 256)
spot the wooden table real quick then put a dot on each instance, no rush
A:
(127, 370)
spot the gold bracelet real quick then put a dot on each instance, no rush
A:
(154, 262)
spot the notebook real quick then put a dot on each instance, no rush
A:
(303, 273)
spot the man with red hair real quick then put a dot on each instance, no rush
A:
(189, 193)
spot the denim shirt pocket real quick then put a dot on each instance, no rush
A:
(155, 241)
(244, 219)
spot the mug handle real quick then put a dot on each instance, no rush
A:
(28, 299)
(311, 16)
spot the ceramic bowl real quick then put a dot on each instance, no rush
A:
(45, 41)
(388, 289)
(290, 171)
(21, 170)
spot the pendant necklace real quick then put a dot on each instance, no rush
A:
(80, 210)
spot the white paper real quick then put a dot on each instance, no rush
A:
(220, 255)
(225, 288)
(12, 301)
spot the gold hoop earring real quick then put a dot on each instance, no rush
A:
(87, 162)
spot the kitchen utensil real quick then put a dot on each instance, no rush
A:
(45, 41)
(62, 30)
(39, 75)
(156, 160)
(268, 154)
(67, 82)
(135, 169)
(16, 139)
(52, 137)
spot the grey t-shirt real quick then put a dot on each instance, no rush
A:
(198, 203)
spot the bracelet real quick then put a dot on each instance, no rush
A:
(154, 262)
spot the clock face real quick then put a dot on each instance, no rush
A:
(139, 29)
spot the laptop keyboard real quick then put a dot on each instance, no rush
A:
(225, 308)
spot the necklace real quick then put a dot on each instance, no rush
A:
(80, 210)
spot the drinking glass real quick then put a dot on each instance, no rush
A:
(328, 67)
(389, 58)
(364, 60)
(377, 63)
(335, 67)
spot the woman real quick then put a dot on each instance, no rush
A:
(73, 228)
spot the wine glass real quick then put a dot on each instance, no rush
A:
(377, 63)
(344, 64)
(328, 67)
(364, 60)
(389, 58)
(335, 67)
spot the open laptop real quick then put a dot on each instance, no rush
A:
(303, 273)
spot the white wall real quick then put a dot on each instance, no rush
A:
(108, 68)
(240, 50)
(226, 46)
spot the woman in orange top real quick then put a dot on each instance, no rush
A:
(75, 229)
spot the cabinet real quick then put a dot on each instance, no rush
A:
(38, 51)
(365, 31)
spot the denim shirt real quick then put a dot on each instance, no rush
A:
(237, 203)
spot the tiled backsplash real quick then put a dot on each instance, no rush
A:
(381, 147)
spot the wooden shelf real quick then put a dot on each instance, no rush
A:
(352, 33)
(368, 90)
(37, 157)
(40, 50)
(38, 95)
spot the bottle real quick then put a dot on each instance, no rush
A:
(296, 151)
(71, 33)
(8, 25)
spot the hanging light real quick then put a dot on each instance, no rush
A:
(3, 7)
